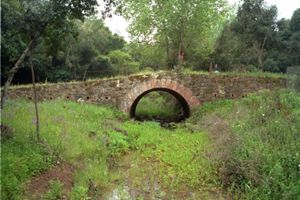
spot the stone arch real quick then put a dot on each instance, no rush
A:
(183, 94)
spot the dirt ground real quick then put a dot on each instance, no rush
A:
(39, 185)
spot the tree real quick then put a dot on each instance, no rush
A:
(178, 27)
(295, 21)
(148, 55)
(251, 40)
(256, 25)
(122, 62)
(285, 50)
(229, 50)
(94, 33)
(87, 53)
(34, 19)
(294, 43)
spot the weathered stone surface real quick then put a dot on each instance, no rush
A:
(193, 90)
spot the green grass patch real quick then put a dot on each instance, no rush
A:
(92, 139)
(72, 131)
(179, 154)
(21, 159)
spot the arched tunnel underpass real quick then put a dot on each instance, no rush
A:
(181, 115)
(182, 94)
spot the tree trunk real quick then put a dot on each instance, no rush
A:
(169, 65)
(210, 67)
(260, 55)
(37, 122)
(260, 63)
(180, 52)
(84, 75)
(14, 70)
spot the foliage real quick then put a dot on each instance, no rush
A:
(76, 58)
(122, 62)
(150, 56)
(254, 40)
(262, 155)
(201, 32)
(25, 22)
(175, 27)
(93, 44)
(65, 46)
(295, 21)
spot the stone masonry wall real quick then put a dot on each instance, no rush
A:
(115, 91)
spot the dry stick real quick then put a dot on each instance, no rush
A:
(13, 71)
(35, 98)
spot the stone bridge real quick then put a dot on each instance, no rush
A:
(191, 90)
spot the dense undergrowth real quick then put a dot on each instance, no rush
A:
(257, 143)
(249, 147)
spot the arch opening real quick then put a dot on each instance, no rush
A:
(180, 100)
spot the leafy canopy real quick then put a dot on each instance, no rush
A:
(189, 24)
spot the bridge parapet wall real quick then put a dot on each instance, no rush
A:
(115, 91)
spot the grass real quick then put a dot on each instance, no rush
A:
(248, 147)
(65, 126)
(236, 73)
(21, 159)
(55, 191)
(179, 162)
(91, 139)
